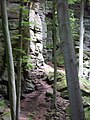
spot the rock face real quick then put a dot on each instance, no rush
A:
(37, 33)
(40, 32)
(87, 49)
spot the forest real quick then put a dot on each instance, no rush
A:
(44, 59)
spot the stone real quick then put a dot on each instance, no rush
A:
(13, 10)
(86, 73)
(6, 115)
(49, 93)
(38, 86)
(86, 101)
(38, 24)
(2, 106)
(36, 6)
(50, 74)
(38, 36)
(13, 24)
(85, 86)
(49, 54)
(39, 47)
(32, 47)
(87, 113)
(64, 94)
(32, 36)
(61, 85)
(5, 75)
(31, 19)
(40, 60)
(28, 86)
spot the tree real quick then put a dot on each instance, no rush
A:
(19, 69)
(55, 56)
(77, 112)
(10, 65)
(81, 40)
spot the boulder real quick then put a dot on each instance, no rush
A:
(50, 74)
(62, 84)
(6, 115)
(2, 106)
(87, 113)
(28, 86)
(49, 92)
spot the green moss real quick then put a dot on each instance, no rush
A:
(86, 100)
(87, 113)
(85, 85)
(60, 60)
(2, 103)
(61, 85)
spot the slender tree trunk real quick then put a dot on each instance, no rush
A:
(55, 57)
(10, 65)
(19, 65)
(81, 40)
(77, 112)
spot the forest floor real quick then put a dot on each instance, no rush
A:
(38, 104)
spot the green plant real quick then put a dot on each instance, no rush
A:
(49, 46)
(74, 25)
(30, 117)
(27, 62)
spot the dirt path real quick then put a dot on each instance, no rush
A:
(37, 106)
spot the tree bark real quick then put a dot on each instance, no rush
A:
(19, 64)
(55, 57)
(81, 40)
(10, 65)
(77, 112)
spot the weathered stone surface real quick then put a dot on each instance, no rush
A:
(5, 75)
(28, 85)
(6, 115)
(87, 113)
(32, 36)
(33, 80)
(32, 47)
(38, 36)
(2, 106)
(38, 24)
(31, 19)
(39, 47)
(49, 93)
(13, 24)
(50, 74)
(36, 44)
(40, 60)
(13, 10)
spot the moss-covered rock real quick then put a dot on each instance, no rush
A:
(87, 113)
(85, 86)
(2, 106)
(61, 85)
(64, 94)
(86, 101)
(50, 74)
(6, 115)
(4, 111)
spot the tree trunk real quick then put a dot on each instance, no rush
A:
(81, 40)
(77, 112)
(55, 57)
(19, 64)
(10, 65)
